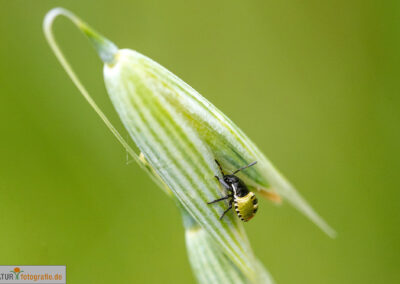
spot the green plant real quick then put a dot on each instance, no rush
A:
(180, 134)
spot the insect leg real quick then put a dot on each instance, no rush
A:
(229, 208)
(221, 181)
(219, 199)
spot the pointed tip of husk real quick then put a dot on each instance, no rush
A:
(105, 48)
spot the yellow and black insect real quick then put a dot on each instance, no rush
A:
(245, 201)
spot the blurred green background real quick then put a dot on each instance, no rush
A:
(314, 83)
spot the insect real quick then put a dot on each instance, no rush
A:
(245, 201)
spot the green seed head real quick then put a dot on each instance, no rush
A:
(180, 134)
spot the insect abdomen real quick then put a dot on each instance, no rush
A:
(246, 206)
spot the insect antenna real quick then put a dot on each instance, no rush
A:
(245, 167)
(220, 168)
